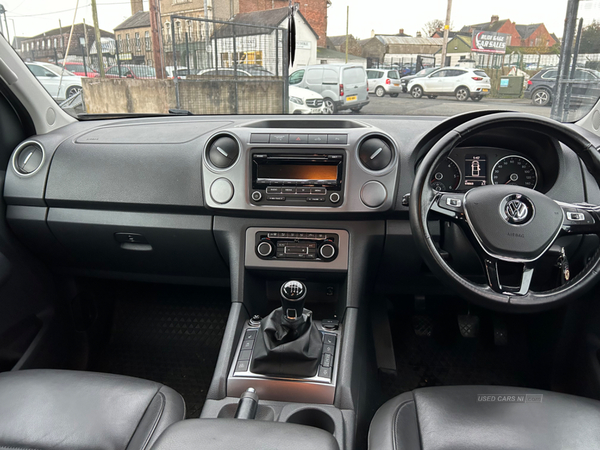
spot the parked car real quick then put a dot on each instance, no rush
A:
(77, 68)
(59, 87)
(421, 73)
(182, 72)
(136, 71)
(304, 101)
(383, 82)
(343, 86)
(462, 83)
(585, 89)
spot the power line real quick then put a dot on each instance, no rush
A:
(17, 15)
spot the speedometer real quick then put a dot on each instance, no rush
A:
(515, 170)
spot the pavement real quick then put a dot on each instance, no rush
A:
(404, 104)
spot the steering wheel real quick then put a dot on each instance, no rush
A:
(506, 223)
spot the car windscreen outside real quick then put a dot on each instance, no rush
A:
(348, 42)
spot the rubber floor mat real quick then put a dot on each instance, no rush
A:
(445, 358)
(168, 334)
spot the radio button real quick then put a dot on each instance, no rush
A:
(320, 236)
(256, 196)
(275, 198)
(264, 249)
(273, 190)
(317, 139)
(288, 191)
(335, 197)
(272, 234)
(303, 190)
(318, 191)
(315, 199)
(311, 235)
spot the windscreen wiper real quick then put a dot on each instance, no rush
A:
(172, 112)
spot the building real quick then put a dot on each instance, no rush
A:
(314, 11)
(189, 8)
(51, 46)
(397, 49)
(264, 46)
(330, 56)
(534, 35)
(338, 43)
(133, 39)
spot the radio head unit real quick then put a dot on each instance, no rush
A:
(297, 179)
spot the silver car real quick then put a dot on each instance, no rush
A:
(383, 82)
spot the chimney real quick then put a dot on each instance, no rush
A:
(372, 33)
(495, 19)
(419, 34)
(401, 31)
(136, 6)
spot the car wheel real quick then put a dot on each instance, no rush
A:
(462, 94)
(416, 92)
(356, 109)
(328, 106)
(432, 96)
(379, 92)
(73, 90)
(477, 98)
(541, 97)
(394, 95)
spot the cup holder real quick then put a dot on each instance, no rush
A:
(313, 418)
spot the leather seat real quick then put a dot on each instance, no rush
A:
(486, 418)
(69, 410)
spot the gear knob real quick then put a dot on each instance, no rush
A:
(293, 294)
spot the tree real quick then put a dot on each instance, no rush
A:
(590, 38)
(433, 25)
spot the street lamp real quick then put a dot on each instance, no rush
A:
(83, 51)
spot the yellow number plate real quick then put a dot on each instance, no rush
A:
(351, 99)
(484, 90)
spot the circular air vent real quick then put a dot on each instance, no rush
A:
(28, 158)
(223, 151)
(375, 153)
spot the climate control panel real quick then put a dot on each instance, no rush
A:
(299, 246)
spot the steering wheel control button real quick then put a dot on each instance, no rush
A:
(575, 216)
(265, 249)
(327, 251)
(454, 202)
(375, 154)
(373, 194)
(221, 191)
(256, 196)
(334, 198)
(223, 152)
(517, 209)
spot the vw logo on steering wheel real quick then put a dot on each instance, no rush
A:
(517, 209)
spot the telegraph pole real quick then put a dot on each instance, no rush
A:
(155, 36)
(446, 30)
(347, 22)
(98, 42)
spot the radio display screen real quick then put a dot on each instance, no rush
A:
(321, 172)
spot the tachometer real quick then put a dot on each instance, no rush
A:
(515, 170)
(446, 176)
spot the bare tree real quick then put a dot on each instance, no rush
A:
(436, 24)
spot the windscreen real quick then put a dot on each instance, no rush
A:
(533, 57)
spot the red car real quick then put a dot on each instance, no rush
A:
(77, 68)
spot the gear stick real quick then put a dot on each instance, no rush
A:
(288, 342)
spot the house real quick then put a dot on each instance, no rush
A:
(533, 35)
(51, 45)
(313, 11)
(330, 56)
(18, 43)
(264, 46)
(459, 47)
(338, 43)
(133, 39)
(397, 49)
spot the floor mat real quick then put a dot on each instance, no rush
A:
(168, 334)
(442, 357)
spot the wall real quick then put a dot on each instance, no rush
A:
(258, 96)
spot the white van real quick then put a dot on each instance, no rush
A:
(343, 86)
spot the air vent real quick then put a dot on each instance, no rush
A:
(223, 151)
(375, 153)
(28, 158)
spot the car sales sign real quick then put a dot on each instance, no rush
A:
(489, 42)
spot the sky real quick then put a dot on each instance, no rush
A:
(31, 17)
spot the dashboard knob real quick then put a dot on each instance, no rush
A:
(264, 249)
(327, 251)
